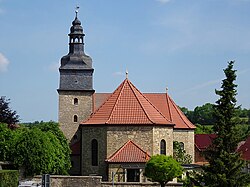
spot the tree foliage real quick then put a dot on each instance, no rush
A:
(39, 149)
(6, 114)
(180, 154)
(162, 169)
(225, 164)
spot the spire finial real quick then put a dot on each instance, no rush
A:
(76, 10)
(126, 74)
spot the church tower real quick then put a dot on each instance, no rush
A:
(76, 83)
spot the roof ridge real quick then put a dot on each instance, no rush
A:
(152, 105)
(178, 110)
(102, 104)
(131, 85)
(118, 151)
(123, 147)
(122, 87)
(170, 112)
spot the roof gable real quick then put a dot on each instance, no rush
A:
(127, 105)
(129, 152)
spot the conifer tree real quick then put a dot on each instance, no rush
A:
(225, 164)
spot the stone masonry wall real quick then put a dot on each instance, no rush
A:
(162, 133)
(187, 137)
(94, 181)
(88, 134)
(118, 135)
(67, 110)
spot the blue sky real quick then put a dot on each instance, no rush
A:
(179, 44)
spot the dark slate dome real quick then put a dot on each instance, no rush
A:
(76, 27)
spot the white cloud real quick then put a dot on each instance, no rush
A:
(4, 62)
(163, 1)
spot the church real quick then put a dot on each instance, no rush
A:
(114, 134)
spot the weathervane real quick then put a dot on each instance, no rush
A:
(77, 9)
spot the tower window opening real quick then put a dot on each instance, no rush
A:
(75, 118)
(75, 101)
(76, 40)
(163, 147)
(94, 151)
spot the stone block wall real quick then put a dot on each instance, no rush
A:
(67, 110)
(72, 181)
(162, 133)
(118, 135)
(187, 137)
(88, 134)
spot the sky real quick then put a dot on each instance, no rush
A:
(176, 44)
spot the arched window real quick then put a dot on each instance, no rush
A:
(75, 101)
(75, 118)
(181, 145)
(94, 152)
(163, 147)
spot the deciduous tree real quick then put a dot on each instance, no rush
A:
(162, 169)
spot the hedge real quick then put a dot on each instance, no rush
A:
(9, 178)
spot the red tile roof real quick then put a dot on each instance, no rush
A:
(170, 110)
(127, 105)
(245, 149)
(129, 152)
(202, 141)
(163, 102)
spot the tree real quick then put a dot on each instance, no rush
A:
(204, 114)
(6, 114)
(180, 154)
(6, 143)
(225, 164)
(162, 169)
(39, 149)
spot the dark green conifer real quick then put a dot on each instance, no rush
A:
(225, 164)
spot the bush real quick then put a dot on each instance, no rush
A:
(9, 178)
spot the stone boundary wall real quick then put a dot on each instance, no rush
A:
(94, 181)
(72, 181)
(137, 184)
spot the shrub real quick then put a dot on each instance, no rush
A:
(9, 178)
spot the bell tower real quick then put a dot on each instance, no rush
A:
(76, 83)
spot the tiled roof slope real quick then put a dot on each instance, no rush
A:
(245, 149)
(202, 141)
(130, 152)
(163, 102)
(127, 105)
(170, 110)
